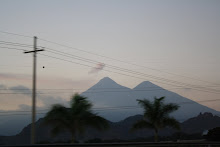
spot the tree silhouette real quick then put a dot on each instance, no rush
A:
(156, 115)
(213, 134)
(74, 119)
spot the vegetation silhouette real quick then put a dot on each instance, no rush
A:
(74, 119)
(156, 115)
(213, 134)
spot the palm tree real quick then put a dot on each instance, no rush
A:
(156, 115)
(74, 119)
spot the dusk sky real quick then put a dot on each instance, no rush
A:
(172, 43)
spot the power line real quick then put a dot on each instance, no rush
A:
(15, 44)
(21, 111)
(15, 34)
(91, 91)
(97, 91)
(101, 108)
(12, 48)
(127, 62)
(49, 89)
(113, 67)
(17, 114)
(107, 57)
(103, 69)
(193, 87)
(132, 72)
(123, 69)
(110, 66)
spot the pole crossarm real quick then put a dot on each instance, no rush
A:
(34, 51)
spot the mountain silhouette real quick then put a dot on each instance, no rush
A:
(146, 84)
(118, 102)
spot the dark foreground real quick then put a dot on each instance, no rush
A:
(137, 144)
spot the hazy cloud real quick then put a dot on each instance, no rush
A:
(187, 89)
(19, 97)
(97, 68)
(21, 90)
(9, 76)
(50, 100)
(46, 81)
(2, 87)
(25, 107)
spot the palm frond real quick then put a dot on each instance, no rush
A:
(169, 108)
(56, 114)
(142, 124)
(157, 106)
(146, 104)
(161, 99)
(58, 117)
(171, 122)
(79, 104)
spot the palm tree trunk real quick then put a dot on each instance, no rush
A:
(156, 135)
(73, 138)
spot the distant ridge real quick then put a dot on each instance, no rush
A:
(117, 130)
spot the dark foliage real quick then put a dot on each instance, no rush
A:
(74, 119)
(213, 134)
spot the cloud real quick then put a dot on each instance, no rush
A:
(187, 89)
(63, 82)
(25, 107)
(19, 98)
(50, 100)
(97, 68)
(9, 76)
(21, 90)
(44, 81)
(28, 108)
(16, 95)
(3, 87)
(45, 99)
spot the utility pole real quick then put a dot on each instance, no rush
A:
(34, 88)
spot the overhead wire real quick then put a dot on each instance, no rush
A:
(89, 60)
(127, 62)
(16, 34)
(93, 91)
(113, 67)
(22, 45)
(128, 71)
(99, 91)
(103, 69)
(8, 113)
(12, 48)
(15, 44)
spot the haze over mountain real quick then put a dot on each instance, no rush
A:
(119, 102)
(116, 102)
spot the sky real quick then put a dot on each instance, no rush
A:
(174, 44)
